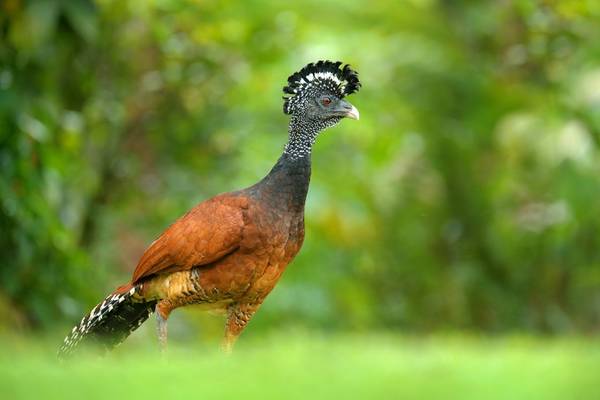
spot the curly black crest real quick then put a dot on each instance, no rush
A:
(322, 76)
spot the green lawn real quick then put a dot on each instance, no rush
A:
(304, 367)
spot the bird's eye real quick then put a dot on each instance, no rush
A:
(326, 101)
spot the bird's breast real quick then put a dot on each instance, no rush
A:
(270, 240)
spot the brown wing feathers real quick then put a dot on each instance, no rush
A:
(207, 233)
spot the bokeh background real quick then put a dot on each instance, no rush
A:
(464, 200)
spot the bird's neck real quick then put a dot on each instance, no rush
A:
(302, 134)
(287, 183)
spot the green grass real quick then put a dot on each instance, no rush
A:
(305, 367)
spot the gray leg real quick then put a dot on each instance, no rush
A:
(161, 330)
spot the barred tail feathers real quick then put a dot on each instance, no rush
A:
(110, 322)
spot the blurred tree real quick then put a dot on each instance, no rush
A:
(463, 199)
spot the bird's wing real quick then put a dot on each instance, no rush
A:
(210, 231)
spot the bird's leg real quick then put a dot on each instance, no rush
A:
(162, 332)
(162, 314)
(238, 316)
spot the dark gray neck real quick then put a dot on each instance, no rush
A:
(286, 186)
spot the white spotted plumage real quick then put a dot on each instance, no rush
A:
(95, 316)
(324, 76)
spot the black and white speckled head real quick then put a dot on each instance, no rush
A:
(314, 97)
(317, 89)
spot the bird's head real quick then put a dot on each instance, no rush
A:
(314, 96)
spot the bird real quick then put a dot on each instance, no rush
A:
(228, 252)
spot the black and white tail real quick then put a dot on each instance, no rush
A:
(110, 322)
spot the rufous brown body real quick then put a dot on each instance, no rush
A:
(228, 252)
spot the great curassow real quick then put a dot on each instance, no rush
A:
(228, 252)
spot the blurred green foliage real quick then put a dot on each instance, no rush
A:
(464, 198)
